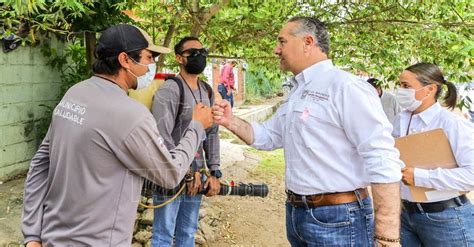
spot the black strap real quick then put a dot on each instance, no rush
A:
(409, 123)
(181, 94)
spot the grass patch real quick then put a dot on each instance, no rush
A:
(227, 135)
(253, 100)
(272, 163)
(224, 134)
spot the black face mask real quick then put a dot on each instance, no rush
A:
(195, 64)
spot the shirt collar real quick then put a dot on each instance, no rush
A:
(307, 75)
(428, 114)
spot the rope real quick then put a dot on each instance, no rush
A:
(165, 202)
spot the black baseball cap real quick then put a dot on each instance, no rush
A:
(126, 38)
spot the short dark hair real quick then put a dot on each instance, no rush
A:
(374, 82)
(178, 48)
(314, 27)
(111, 65)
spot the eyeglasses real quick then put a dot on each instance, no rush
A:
(193, 52)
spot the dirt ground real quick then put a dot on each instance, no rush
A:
(11, 201)
(251, 221)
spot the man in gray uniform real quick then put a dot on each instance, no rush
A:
(84, 182)
(179, 219)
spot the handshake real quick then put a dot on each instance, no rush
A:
(220, 113)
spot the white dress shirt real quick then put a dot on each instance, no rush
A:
(334, 132)
(460, 132)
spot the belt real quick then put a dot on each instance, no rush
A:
(167, 192)
(433, 207)
(311, 201)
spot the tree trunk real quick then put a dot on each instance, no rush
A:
(166, 43)
(91, 40)
(202, 16)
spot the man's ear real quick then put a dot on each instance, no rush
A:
(180, 59)
(124, 60)
(308, 41)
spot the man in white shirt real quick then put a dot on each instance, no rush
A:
(337, 141)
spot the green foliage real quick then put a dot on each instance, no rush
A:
(385, 37)
(379, 37)
(263, 80)
(29, 20)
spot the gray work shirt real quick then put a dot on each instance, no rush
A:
(165, 109)
(84, 182)
(390, 106)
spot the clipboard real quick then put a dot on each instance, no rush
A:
(427, 150)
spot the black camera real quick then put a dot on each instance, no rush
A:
(242, 189)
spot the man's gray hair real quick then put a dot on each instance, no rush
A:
(313, 27)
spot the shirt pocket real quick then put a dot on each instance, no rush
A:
(313, 121)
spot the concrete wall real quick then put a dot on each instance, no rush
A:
(26, 82)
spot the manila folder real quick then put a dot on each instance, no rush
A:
(427, 150)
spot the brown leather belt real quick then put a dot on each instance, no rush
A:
(311, 201)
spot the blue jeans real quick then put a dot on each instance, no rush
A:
(223, 92)
(350, 224)
(178, 218)
(451, 227)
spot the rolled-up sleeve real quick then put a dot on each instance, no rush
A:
(369, 130)
(268, 135)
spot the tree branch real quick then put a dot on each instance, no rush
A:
(201, 17)
(456, 12)
(451, 24)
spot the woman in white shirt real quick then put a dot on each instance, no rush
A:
(448, 218)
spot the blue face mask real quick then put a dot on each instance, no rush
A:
(146, 79)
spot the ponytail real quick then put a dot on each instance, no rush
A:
(428, 73)
(451, 96)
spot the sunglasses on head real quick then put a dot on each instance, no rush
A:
(193, 52)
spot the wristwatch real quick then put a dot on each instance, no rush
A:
(216, 173)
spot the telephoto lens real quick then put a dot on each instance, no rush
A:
(241, 189)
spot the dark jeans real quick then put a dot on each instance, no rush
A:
(223, 92)
(350, 224)
(451, 227)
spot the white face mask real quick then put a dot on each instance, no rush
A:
(146, 79)
(406, 98)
